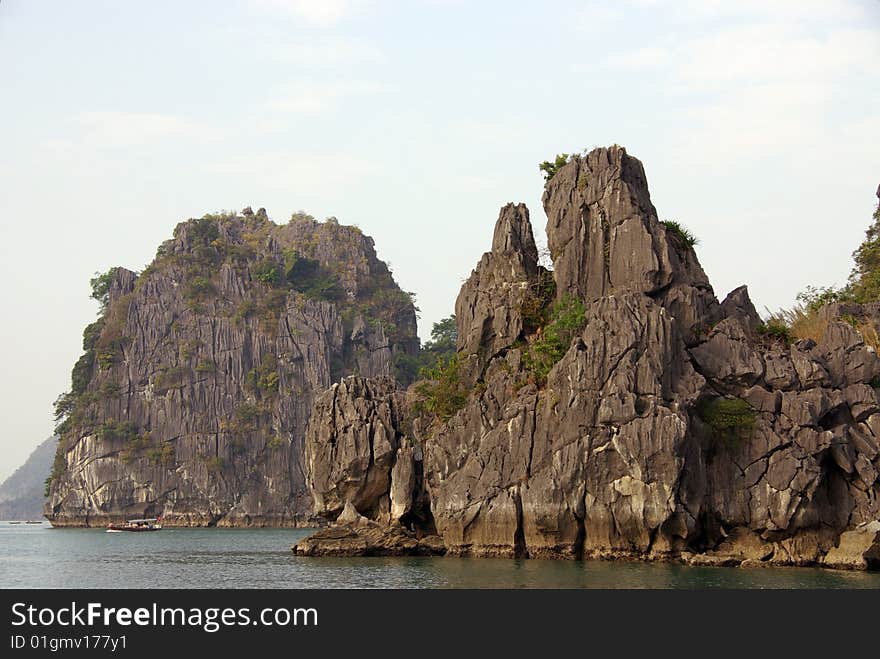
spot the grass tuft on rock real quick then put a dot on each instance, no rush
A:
(731, 420)
(681, 233)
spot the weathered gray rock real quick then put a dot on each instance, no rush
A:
(355, 452)
(618, 451)
(743, 544)
(729, 355)
(605, 238)
(739, 305)
(350, 515)
(405, 481)
(671, 426)
(488, 310)
(368, 539)
(846, 357)
(602, 228)
(202, 378)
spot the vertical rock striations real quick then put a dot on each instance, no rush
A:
(602, 229)
(195, 390)
(488, 310)
(604, 238)
(672, 425)
(355, 453)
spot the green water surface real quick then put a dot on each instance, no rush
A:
(34, 556)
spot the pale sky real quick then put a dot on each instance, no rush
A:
(758, 124)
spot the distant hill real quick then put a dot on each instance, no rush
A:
(21, 495)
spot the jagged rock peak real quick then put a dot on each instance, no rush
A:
(488, 309)
(602, 228)
(603, 231)
(739, 305)
(122, 283)
(598, 171)
(669, 426)
(513, 238)
(605, 238)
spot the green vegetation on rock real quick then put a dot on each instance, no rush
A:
(112, 431)
(731, 420)
(778, 330)
(444, 392)
(103, 344)
(550, 168)
(680, 233)
(266, 271)
(264, 378)
(551, 341)
(100, 284)
(864, 280)
(309, 277)
(537, 303)
(440, 348)
(58, 466)
(863, 286)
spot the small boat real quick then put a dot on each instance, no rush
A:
(31, 521)
(137, 525)
(15, 522)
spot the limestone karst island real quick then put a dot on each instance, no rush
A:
(607, 406)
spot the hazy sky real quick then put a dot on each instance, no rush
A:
(758, 123)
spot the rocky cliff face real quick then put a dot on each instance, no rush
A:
(672, 426)
(197, 383)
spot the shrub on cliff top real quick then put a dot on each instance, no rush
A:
(100, 284)
(812, 298)
(801, 321)
(301, 216)
(551, 168)
(205, 230)
(441, 347)
(864, 280)
(444, 338)
(309, 277)
(680, 233)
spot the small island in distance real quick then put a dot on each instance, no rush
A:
(22, 494)
(606, 405)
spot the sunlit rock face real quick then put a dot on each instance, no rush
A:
(200, 378)
(672, 427)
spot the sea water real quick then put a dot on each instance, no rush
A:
(38, 556)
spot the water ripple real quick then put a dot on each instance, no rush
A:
(39, 556)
